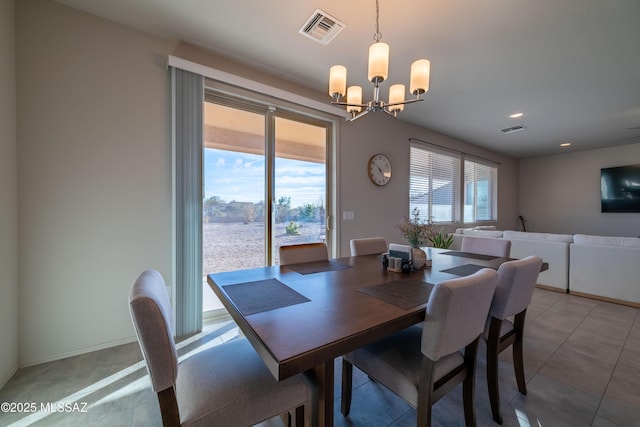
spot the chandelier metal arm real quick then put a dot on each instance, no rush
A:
(407, 101)
(378, 104)
(346, 104)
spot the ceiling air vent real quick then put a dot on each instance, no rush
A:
(321, 27)
(512, 129)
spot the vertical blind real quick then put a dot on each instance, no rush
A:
(187, 109)
(434, 184)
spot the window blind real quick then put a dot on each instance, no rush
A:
(480, 183)
(434, 183)
(187, 110)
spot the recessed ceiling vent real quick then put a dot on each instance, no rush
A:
(512, 129)
(321, 27)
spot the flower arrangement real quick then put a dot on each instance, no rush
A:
(416, 231)
(419, 232)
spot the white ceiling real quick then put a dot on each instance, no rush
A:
(571, 66)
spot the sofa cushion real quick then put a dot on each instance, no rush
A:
(482, 233)
(522, 235)
(628, 242)
(478, 227)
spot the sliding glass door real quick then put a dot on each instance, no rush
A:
(265, 185)
(299, 184)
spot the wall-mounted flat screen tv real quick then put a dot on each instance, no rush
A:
(620, 189)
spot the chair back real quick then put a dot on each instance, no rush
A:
(305, 252)
(456, 313)
(152, 319)
(516, 281)
(368, 246)
(486, 246)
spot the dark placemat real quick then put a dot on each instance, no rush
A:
(401, 293)
(262, 295)
(464, 270)
(318, 266)
(470, 255)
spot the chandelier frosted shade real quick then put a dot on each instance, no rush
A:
(337, 81)
(354, 99)
(420, 73)
(396, 98)
(378, 62)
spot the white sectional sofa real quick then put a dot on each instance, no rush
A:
(552, 248)
(593, 266)
(605, 267)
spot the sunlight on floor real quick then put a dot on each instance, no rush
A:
(79, 395)
(211, 336)
(523, 420)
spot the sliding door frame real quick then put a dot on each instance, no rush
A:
(231, 96)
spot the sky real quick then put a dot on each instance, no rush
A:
(240, 177)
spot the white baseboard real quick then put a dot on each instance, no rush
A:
(77, 352)
(212, 316)
(6, 378)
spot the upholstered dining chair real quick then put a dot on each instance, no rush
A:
(486, 246)
(516, 282)
(226, 385)
(368, 246)
(304, 252)
(421, 364)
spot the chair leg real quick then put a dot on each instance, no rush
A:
(493, 341)
(518, 351)
(347, 383)
(468, 385)
(299, 416)
(169, 407)
(425, 392)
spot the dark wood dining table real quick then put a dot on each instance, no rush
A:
(300, 317)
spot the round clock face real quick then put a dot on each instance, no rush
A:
(379, 169)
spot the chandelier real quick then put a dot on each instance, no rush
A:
(378, 72)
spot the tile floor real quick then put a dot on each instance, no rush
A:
(582, 361)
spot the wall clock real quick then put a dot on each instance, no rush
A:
(379, 169)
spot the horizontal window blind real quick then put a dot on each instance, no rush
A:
(434, 183)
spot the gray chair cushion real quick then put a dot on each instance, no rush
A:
(226, 384)
(486, 246)
(516, 282)
(229, 385)
(368, 246)
(395, 362)
(456, 313)
(306, 252)
(151, 315)
(455, 317)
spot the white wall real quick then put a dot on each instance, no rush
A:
(561, 194)
(8, 197)
(94, 176)
(94, 173)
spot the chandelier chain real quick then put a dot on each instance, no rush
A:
(378, 35)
